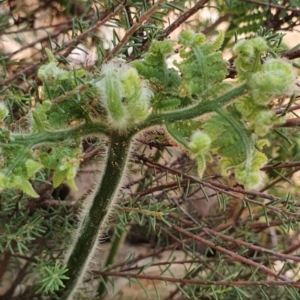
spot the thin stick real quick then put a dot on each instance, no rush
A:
(202, 282)
(184, 17)
(240, 258)
(133, 29)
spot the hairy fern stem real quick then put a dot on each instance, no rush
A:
(97, 213)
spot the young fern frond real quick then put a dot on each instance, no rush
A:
(203, 68)
(165, 80)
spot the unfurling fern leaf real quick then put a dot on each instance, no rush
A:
(202, 68)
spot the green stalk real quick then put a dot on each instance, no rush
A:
(86, 129)
(33, 139)
(199, 109)
(241, 131)
(96, 214)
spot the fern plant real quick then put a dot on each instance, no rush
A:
(201, 112)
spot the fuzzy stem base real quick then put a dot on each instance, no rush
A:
(96, 215)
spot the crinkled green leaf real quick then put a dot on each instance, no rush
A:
(32, 167)
(181, 131)
(26, 187)
(202, 68)
(59, 177)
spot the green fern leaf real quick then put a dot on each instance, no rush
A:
(202, 67)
